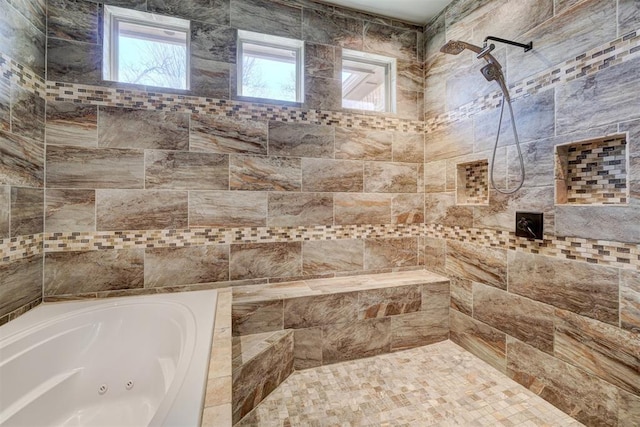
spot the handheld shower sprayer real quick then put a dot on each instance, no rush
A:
(492, 71)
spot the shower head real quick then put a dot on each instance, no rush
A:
(454, 47)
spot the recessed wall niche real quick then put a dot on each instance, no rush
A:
(592, 172)
(472, 183)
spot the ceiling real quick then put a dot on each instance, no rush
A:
(414, 11)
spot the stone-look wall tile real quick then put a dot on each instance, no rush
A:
(261, 260)
(434, 36)
(564, 36)
(386, 40)
(74, 62)
(363, 144)
(437, 70)
(296, 209)
(408, 147)
(320, 310)
(209, 11)
(577, 100)
(261, 375)
(93, 271)
(21, 161)
(586, 289)
(628, 408)
(322, 60)
(185, 266)
(435, 177)
(307, 348)
(409, 104)
(586, 398)
(633, 148)
(257, 317)
(510, 20)
(562, 5)
(482, 340)
(33, 10)
(5, 103)
(300, 140)
(419, 328)
(5, 211)
(213, 42)
(179, 170)
(527, 320)
(74, 20)
(70, 210)
(362, 208)
(20, 283)
(535, 119)
(477, 263)
(79, 167)
(538, 157)
(436, 296)
(628, 16)
(385, 302)
(577, 221)
(382, 177)
(390, 253)
(261, 173)
(500, 213)
(131, 128)
(69, 123)
(355, 340)
(409, 75)
(141, 209)
(332, 29)
(630, 300)
(462, 295)
(210, 78)
(27, 114)
(330, 256)
(603, 350)
(322, 94)
(228, 135)
(227, 209)
(435, 254)
(27, 211)
(21, 40)
(453, 140)
(407, 209)
(266, 17)
(325, 175)
(441, 208)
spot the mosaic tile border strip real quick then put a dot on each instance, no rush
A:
(22, 76)
(118, 97)
(20, 311)
(609, 54)
(15, 248)
(610, 253)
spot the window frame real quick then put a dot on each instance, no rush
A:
(270, 41)
(390, 66)
(114, 15)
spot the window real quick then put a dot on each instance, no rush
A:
(368, 81)
(270, 67)
(144, 48)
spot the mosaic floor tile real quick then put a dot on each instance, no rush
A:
(436, 385)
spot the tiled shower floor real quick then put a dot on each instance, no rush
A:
(437, 385)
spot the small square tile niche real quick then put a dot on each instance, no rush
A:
(592, 172)
(472, 183)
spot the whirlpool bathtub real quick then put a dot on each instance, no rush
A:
(131, 361)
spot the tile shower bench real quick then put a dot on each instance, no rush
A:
(279, 327)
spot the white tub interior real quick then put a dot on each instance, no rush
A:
(132, 361)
